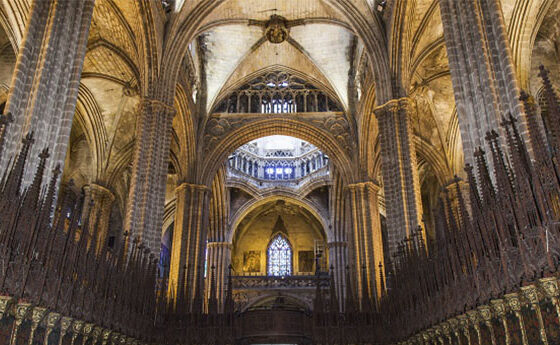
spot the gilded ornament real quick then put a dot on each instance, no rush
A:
(52, 319)
(473, 317)
(445, 328)
(96, 333)
(6, 303)
(499, 307)
(550, 286)
(65, 324)
(77, 326)
(22, 309)
(530, 293)
(276, 30)
(38, 314)
(453, 324)
(88, 329)
(115, 338)
(513, 302)
(485, 313)
(106, 334)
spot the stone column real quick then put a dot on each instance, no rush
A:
(99, 213)
(400, 170)
(484, 82)
(45, 84)
(338, 260)
(219, 249)
(219, 257)
(189, 241)
(337, 240)
(146, 198)
(368, 241)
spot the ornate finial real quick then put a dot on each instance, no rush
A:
(45, 153)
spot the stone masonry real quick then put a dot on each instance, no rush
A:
(400, 171)
(484, 82)
(45, 83)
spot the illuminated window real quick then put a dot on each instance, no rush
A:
(279, 256)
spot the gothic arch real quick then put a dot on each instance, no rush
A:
(255, 203)
(524, 25)
(228, 88)
(88, 116)
(259, 299)
(220, 146)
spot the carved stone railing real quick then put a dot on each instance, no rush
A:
(287, 282)
(322, 173)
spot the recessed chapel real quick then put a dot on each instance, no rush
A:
(250, 172)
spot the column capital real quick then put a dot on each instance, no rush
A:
(550, 286)
(393, 105)
(158, 105)
(335, 244)
(191, 186)
(371, 185)
(97, 190)
(498, 307)
(6, 302)
(513, 302)
(38, 314)
(212, 244)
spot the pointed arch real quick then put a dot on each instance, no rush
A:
(279, 256)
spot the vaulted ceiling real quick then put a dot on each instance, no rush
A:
(238, 50)
(319, 43)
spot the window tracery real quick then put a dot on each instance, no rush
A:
(277, 92)
(279, 257)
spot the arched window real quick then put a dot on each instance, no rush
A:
(279, 257)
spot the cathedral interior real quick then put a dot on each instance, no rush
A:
(192, 172)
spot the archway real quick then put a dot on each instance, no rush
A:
(329, 134)
(259, 228)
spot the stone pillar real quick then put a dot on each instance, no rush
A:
(146, 198)
(368, 240)
(45, 84)
(484, 83)
(99, 213)
(219, 257)
(400, 170)
(338, 260)
(337, 240)
(219, 249)
(189, 241)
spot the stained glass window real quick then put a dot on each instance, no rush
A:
(279, 257)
